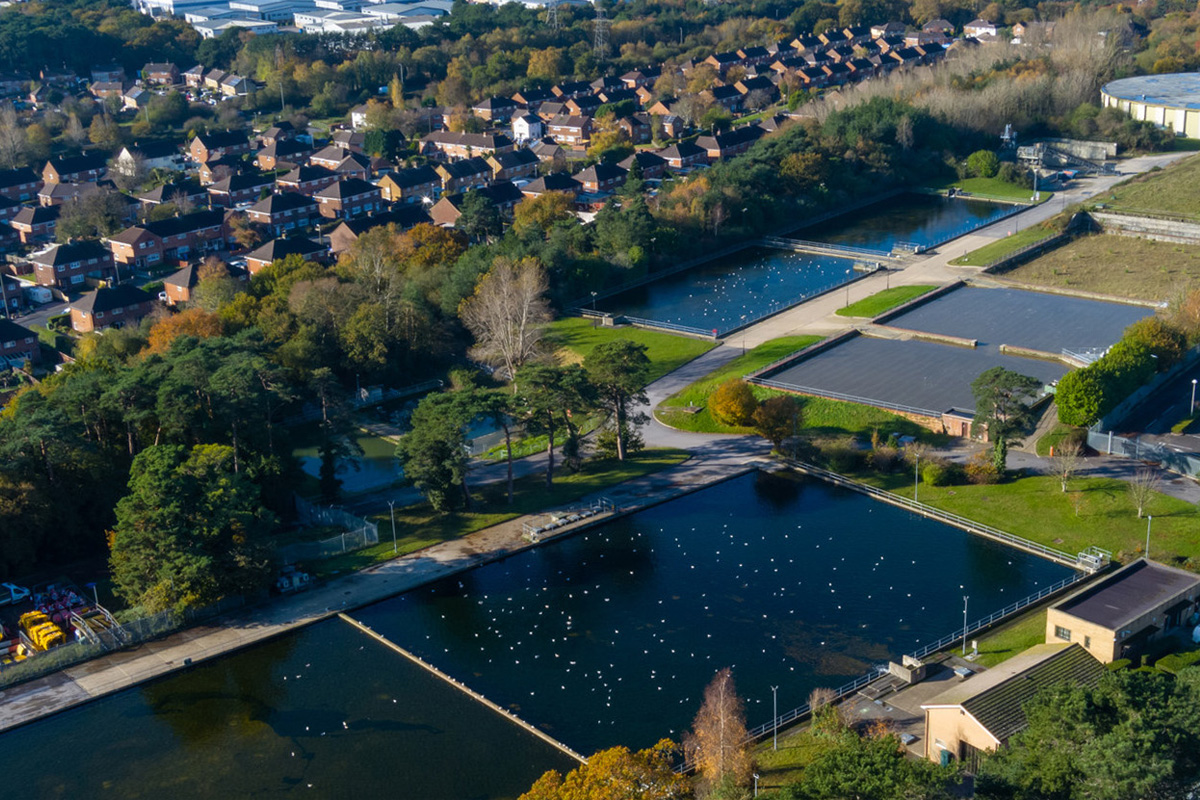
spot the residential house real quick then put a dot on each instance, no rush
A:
(354, 165)
(106, 89)
(348, 198)
(551, 109)
(358, 116)
(979, 28)
(11, 295)
(178, 286)
(570, 131)
(306, 179)
(18, 344)
(213, 78)
(9, 209)
(565, 91)
(606, 83)
(878, 31)
(110, 307)
(981, 713)
(513, 165)
(613, 96)
(773, 123)
(279, 132)
(554, 182)
(938, 26)
(645, 96)
(403, 217)
(531, 99)
(411, 185)
(162, 74)
(219, 144)
(150, 156)
(836, 73)
(354, 141)
(758, 91)
(282, 212)
(503, 195)
(68, 266)
(723, 62)
(36, 224)
(641, 78)
(683, 155)
(857, 34)
(808, 43)
(547, 150)
(19, 184)
(459, 176)
(1032, 32)
(527, 128)
(652, 165)
(87, 168)
(278, 249)
(218, 169)
(584, 105)
(755, 56)
(727, 97)
(186, 194)
(637, 128)
(1123, 614)
(55, 194)
(449, 145)
(107, 73)
(728, 144)
(136, 98)
(239, 189)
(496, 110)
(329, 157)
(671, 125)
(173, 239)
(601, 178)
(194, 78)
(282, 154)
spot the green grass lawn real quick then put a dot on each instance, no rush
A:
(1171, 190)
(993, 187)
(798, 748)
(575, 337)
(883, 301)
(419, 526)
(1012, 638)
(1036, 508)
(993, 251)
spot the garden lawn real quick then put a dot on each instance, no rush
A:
(575, 337)
(1171, 190)
(994, 251)
(1035, 507)
(1053, 437)
(419, 526)
(1012, 638)
(1122, 266)
(994, 187)
(798, 748)
(876, 304)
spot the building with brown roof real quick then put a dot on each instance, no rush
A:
(173, 239)
(67, 267)
(18, 344)
(178, 286)
(283, 212)
(348, 198)
(110, 307)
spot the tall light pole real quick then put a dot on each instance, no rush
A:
(775, 713)
(1149, 519)
(392, 509)
(743, 321)
(964, 647)
(756, 784)
(1192, 405)
(916, 475)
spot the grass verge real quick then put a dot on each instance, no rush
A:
(798, 748)
(1012, 638)
(886, 300)
(575, 337)
(1122, 266)
(994, 187)
(419, 526)
(1055, 437)
(993, 251)
(1170, 190)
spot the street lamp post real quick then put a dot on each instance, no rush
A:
(743, 321)
(1149, 519)
(593, 309)
(756, 784)
(964, 647)
(916, 476)
(1192, 405)
(775, 716)
(392, 509)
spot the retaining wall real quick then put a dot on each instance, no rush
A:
(1163, 230)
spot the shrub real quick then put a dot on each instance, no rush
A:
(983, 163)
(841, 455)
(939, 473)
(1174, 662)
(1158, 337)
(1011, 173)
(981, 469)
(776, 419)
(733, 403)
(606, 441)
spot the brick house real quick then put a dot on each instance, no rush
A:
(219, 169)
(729, 143)
(754, 56)
(219, 144)
(153, 155)
(328, 157)
(277, 249)
(496, 110)
(107, 73)
(601, 178)
(530, 99)
(194, 78)
(570, 131)
(19, 184)
(513, 165)
(348, 198)
(585, 106)
(279, 132)
(161, 74)
(306, 180)
(35, 224)
(87, 168)
(727, 97)
(760, 84)
(459, 176)
(411, 185)
(177, 193)
(178, 286)
(683, 155)
(284, 211)
(403, 217)
(639, 78)
(18, 344)
(354, 165)
(282, 154)
(68, 266)
(177, 238)
(110, 307)
(450, 145)
(723, 62)
(637, 128)
(565, 91)
(238, 189)
(503, 195)
(554, 182)
(653, 166)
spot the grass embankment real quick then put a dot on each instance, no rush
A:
(1094, 511)
(994, 187)
(819, 415)
(1056, 436)
(1011, 638)
(1170, 190)
(798, 748)
(994, 251)
(886, 300)
(574, 337)
(1122, 266)
(419, 526)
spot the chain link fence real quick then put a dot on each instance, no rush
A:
(357, 533)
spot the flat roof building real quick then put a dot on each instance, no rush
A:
(1169, 101)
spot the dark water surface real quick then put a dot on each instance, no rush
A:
(324, 712)
(610, 637)
(728, 292)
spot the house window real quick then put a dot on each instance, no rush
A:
(9, 345)
(99, 315)
(77, 279)
(1087, 642)
(62, 267)
(1062, 633)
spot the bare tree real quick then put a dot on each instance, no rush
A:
(75, 133)
(1066, 461)
(12, 137)
(1142, 488)
(507, 313)
(717, 744)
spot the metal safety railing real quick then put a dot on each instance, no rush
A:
(791, 387)
(805, 244)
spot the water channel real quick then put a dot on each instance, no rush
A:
(608, 637)
(721, 295)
